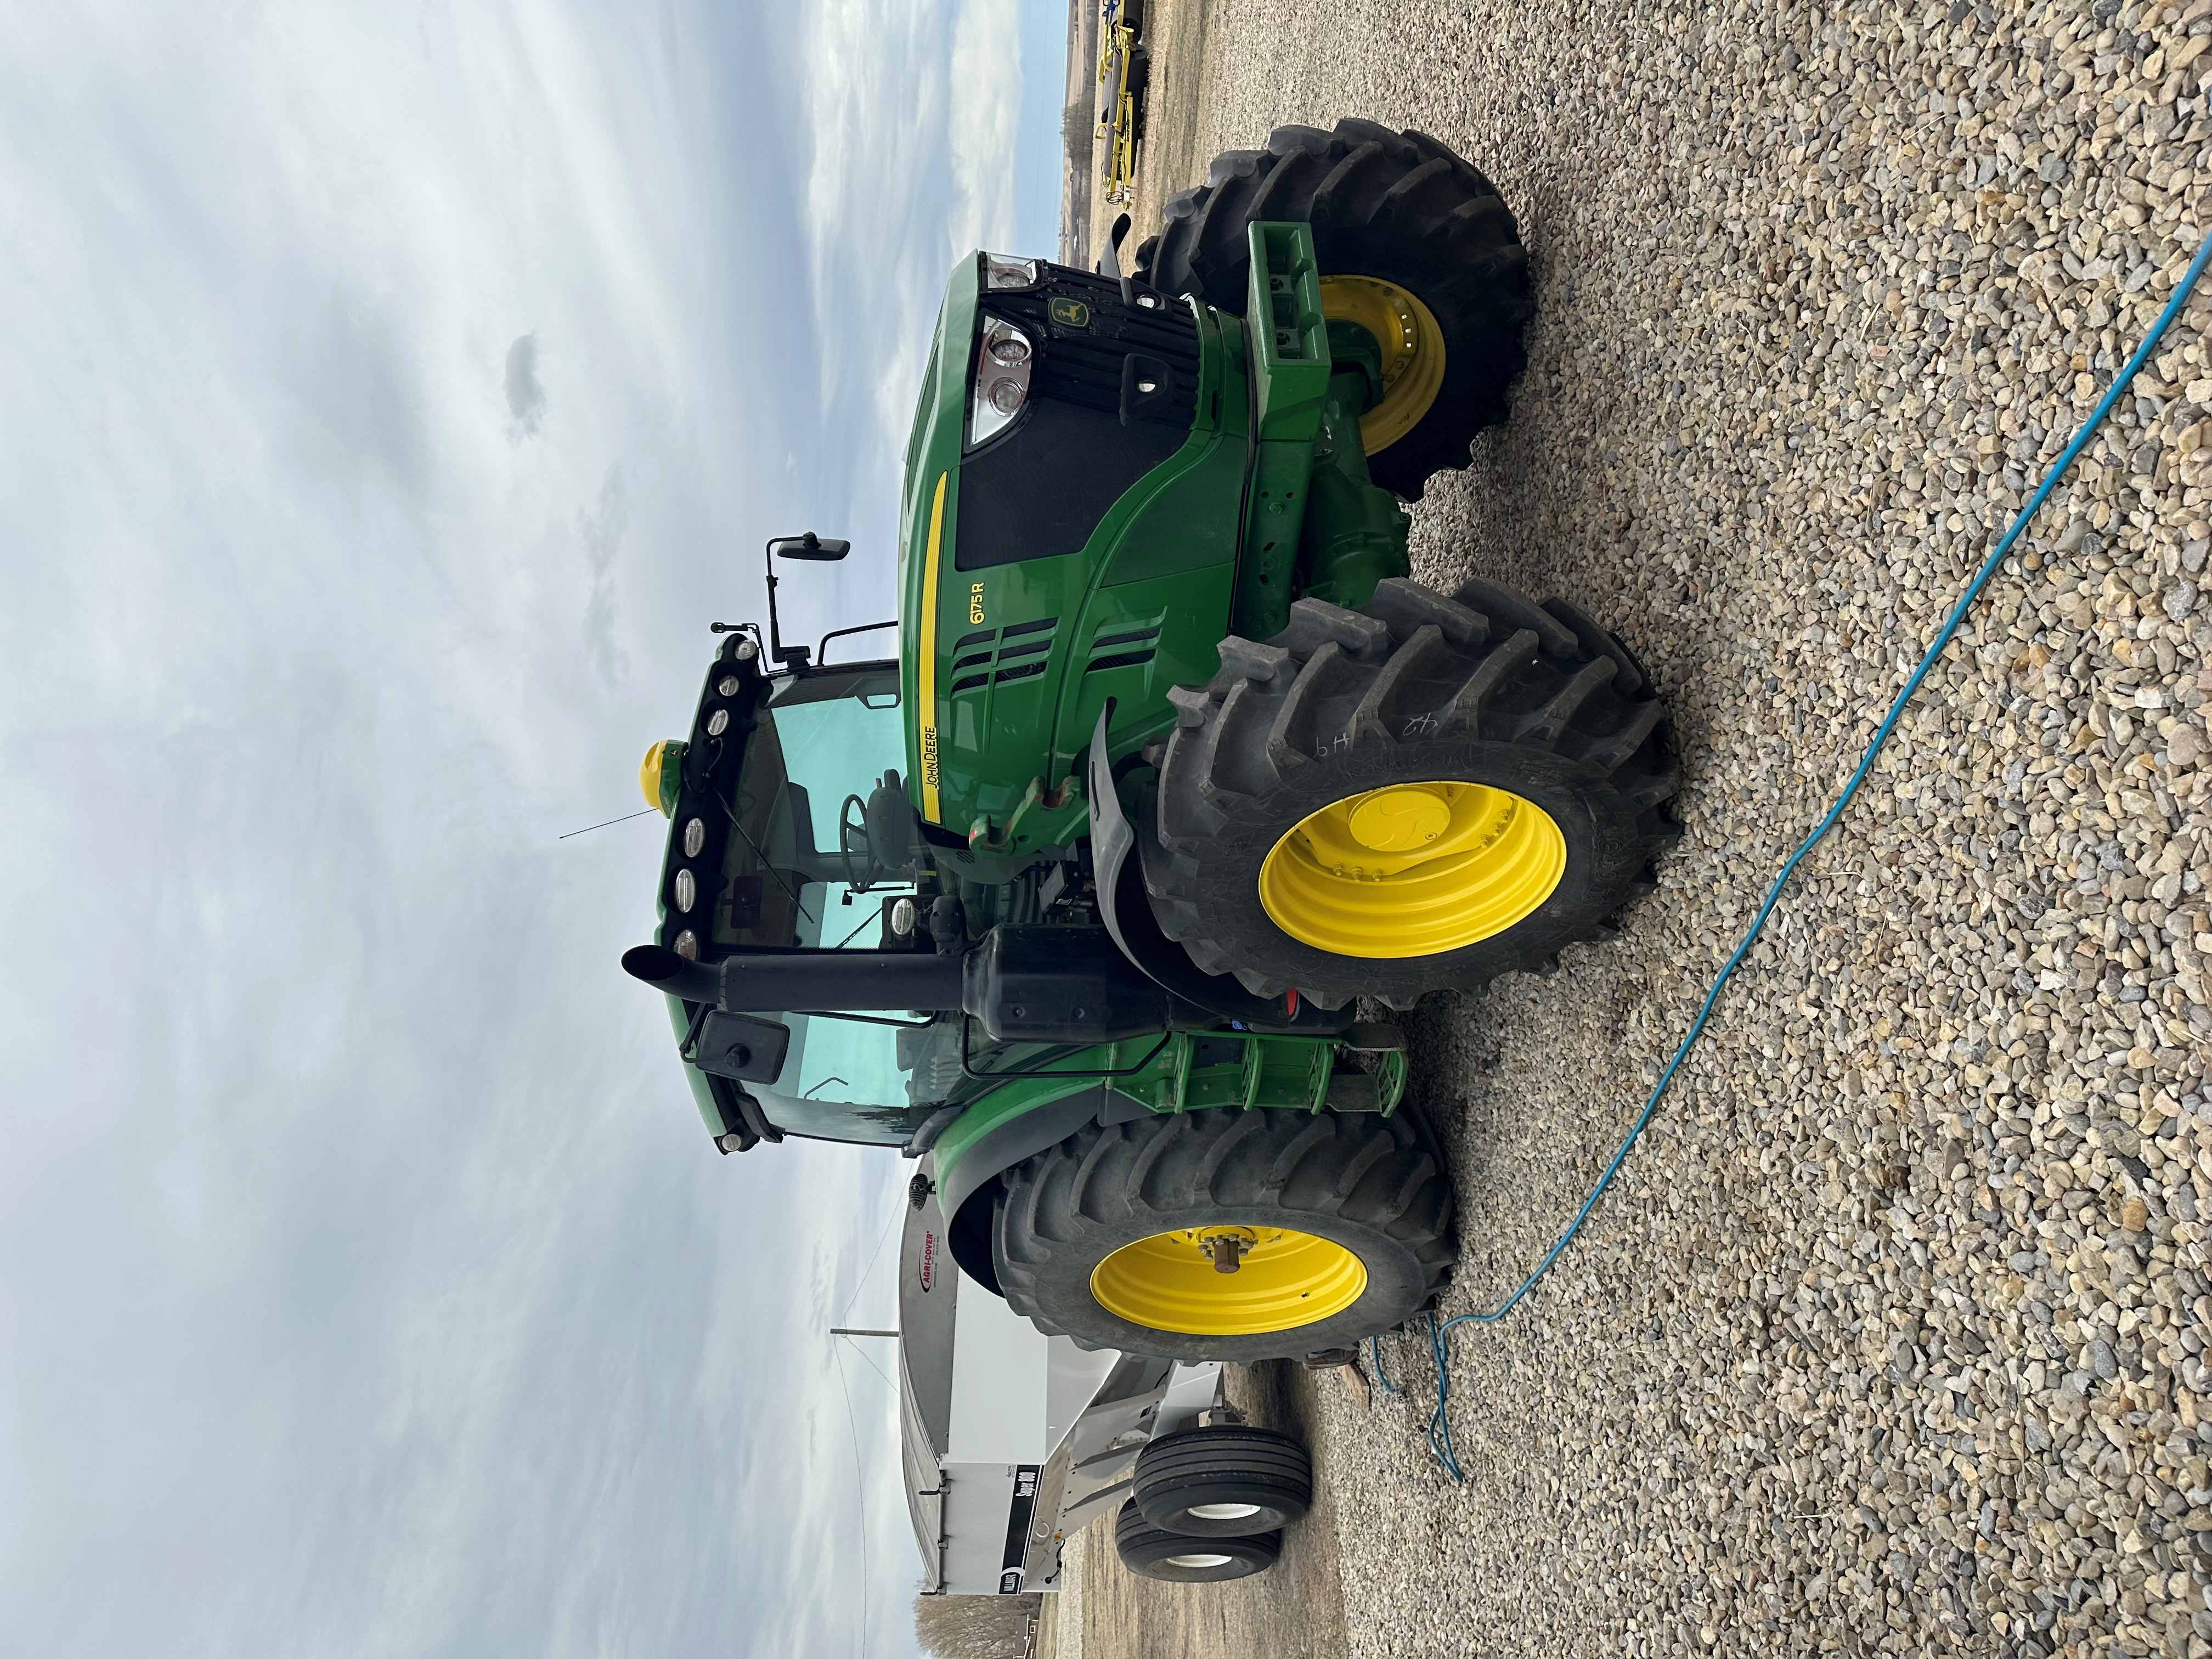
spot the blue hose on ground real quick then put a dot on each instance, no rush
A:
(1439, 1333)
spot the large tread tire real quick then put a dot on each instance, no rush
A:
(1149, 1553)
(1488, 686)
(1395, 205)
(1262, 1476)
(1367, 1182)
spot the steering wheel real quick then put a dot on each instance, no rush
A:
(849, 833)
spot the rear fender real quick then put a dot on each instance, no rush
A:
(1003, 1129)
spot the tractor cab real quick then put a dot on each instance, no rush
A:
(790, 837)
(779, 842)
(812, 951)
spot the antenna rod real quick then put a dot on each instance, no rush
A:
(844, 1330)
(588, 828)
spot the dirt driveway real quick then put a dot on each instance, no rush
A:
(1293, 1611)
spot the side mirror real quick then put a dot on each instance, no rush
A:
(818, 549)
(739, 1047)
(810, 546)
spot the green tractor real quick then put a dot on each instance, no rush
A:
(1077, 898)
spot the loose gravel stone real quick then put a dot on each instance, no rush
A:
(1892, 1337)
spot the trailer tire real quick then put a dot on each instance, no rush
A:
(1399, 210)
(1089, 1236)
(1224, 1481)
(1149, 1553)
(1345, 712)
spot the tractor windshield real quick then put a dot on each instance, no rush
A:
(798, 872)
(821, 741)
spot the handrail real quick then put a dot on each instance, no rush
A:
(822, 646)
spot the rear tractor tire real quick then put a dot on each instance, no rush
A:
(1419, 795)
(1414, 245)
(1150, 1552)
(1335, 1226)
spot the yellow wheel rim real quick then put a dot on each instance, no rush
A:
(1412, 352)
(1171, 1281)
(1412, 869)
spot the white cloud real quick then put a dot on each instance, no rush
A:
(986, 91)
(383, 1292)
(913, 108)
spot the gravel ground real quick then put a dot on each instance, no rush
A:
(1892, 1337)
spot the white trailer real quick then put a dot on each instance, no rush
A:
(1012, 1439)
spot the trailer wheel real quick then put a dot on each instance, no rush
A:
(1150, 1552)
(1416, 796)
(1414, 245)
(1224, 1482)
(1337, 1226)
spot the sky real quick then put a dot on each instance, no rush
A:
(396, 394)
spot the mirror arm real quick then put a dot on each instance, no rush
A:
(785, 656)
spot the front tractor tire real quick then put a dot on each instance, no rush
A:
(1337, 1227)
(1417, 796)
(1414, 245)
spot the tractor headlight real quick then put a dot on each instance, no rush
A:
(1004, 360)
(687, 889)
(1003, 273)
(695, 838)
(687, 946)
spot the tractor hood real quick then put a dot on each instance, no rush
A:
(928, 504)
(1068, 520)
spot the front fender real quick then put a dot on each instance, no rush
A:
(1127, 909)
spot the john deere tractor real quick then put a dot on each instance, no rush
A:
(1098, 897)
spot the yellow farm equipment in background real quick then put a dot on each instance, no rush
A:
(1124, 68)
